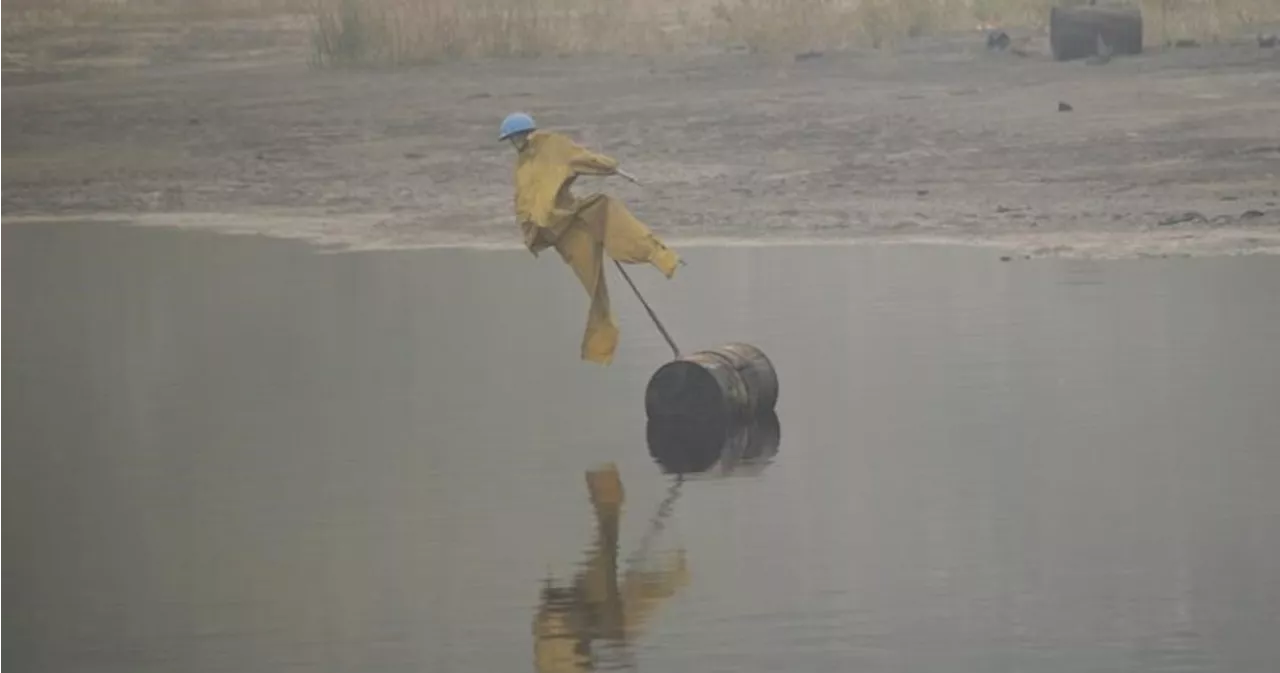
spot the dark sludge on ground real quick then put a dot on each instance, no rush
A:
(692, 446)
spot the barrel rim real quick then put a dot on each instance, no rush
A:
(685, 363)
(743, 375)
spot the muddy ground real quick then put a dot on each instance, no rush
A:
(1175, 152)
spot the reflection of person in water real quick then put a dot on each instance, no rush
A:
(597, 607)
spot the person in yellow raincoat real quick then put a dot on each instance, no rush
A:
(582, 230)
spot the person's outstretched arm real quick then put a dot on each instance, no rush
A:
(585, 162)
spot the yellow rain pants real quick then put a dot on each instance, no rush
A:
(582, 230)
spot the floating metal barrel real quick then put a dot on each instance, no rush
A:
(734, 382)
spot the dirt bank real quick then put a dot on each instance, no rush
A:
(1168, 153)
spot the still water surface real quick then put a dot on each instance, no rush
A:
(234, 454)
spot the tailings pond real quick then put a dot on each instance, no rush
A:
(238, 454)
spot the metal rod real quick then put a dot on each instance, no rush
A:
(675, 351)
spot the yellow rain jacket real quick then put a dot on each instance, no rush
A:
(582, 230)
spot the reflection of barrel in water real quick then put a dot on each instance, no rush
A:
(696, 446)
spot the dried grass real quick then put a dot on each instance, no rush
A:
(32, 18)
(413, 31)
(400, 31)
(407, 31)
(391, 32)
(1167, 21)
(183, 7)
(780, 25)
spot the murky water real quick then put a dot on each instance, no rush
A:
(231, 454)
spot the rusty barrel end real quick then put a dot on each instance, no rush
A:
(691, 387)
(733, 382)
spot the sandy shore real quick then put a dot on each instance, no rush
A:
(1172, 153)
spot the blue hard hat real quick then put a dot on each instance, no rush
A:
(516, 122)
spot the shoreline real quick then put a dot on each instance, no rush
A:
(343, 235)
